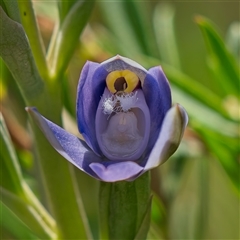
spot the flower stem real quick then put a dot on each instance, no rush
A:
(123, 207)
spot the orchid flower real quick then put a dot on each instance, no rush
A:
(126, 117)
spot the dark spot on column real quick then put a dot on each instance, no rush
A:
(24, 13)
(120, 84)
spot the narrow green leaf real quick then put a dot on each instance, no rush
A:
(158, 214)
(125, 208)
(139, 16)
(64, 200)
(11, 176)
(198, 112)
(227, 154)
(29, 23)
(64, 7)
(195, 89)
(163, 20)
(68, 36)
(233, 39)
(192, 88)
(16, 53)
(27, 214)
(143, 191)
(188, 216)
(10, 222)
(145, 224)
(117, 19)
(12, 10)
(222, 62)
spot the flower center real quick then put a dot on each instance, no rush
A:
(123, 80)
(122, 124)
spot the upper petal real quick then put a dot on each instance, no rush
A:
(169, 138)
(157, 93)
(121, 63)
(90, 89)
(69, 146)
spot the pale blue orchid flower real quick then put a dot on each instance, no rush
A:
(125, 114)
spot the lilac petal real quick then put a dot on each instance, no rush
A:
(90, 89)
(116, 171)
(140, 110)
(169, 138)
(69, 146)
(121, 63)
(157, 93)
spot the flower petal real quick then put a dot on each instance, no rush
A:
(69, 146)
(169, 138)
(121, 63)
(140, 110)
(157, 93)
(90, 89)
(116, 171)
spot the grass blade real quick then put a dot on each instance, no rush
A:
(68, 36)
(29, 23)
(222, 62)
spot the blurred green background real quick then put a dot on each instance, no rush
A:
(196, 192)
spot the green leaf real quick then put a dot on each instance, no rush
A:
(29, 23)
(64, 200)
(163, 20)
(27, 214)
(139, 17)
(145, 224)
(118, 20)
(195, 89)
(68, 35)
(12, 10)
(142, 188)
(233, 39)
(197, 210)
(11, 223)
(16, 53)
(12, 180)
(222, 62)
(158, 214)
(227, 154)
(130, 22)
(11, 176)
(125, 208)
(187, 218)
(198, 111)
(64, 7)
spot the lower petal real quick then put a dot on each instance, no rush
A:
(116, 171)
(69, 146)
(169, 138)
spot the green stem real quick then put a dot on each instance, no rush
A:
(123, 208)
(104, 199)
(31, 28)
